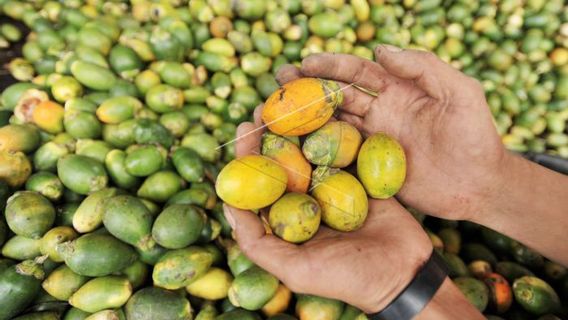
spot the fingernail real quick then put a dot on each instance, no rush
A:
(229, 216)
(390, 48)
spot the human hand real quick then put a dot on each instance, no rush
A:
(439, 115)
(366, 268)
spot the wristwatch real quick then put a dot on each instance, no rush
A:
(418, 293)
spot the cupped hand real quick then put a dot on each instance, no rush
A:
(439, 115)
(367, 268)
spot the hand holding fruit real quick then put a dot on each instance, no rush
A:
(438, 114)
(369, 266)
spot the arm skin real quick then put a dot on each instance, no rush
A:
(531, 207)
(449, 303)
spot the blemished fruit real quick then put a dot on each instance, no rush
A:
(295, 217)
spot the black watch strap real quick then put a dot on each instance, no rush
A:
(418, 293)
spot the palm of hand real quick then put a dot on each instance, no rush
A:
(438, 115)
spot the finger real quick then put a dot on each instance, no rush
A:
(266, 250)
(352, 119)
(348, 69)
(287, 73)
(429, 73)
(355, 101)
(258, 115)
(248, 139)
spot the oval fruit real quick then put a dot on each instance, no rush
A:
(279, 302)
(251, 182)
(102, 293)
(63, 282)
(301, 106)
(178, 268)
(15, 168)
(128, 219)
(295, 217)
(29, 214)
(253, 288)
(535, 295)
(155, 303)
(500, 293)
(52, 238)
(214, 285)
(474, 290)
(344, 204)
(178, 226)
(334, 145)
(311, 307)
(381, 166)
(81, 174)
(290, 157)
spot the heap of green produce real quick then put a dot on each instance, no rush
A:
(109, 147)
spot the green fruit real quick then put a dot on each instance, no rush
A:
(96, 255)
(496, 241)
(29, 214)
(512, 271)
(12, 94)
(188, 164)
(21, 248)
(351, 313)
(45, 183)
(314, 307)
(19, 137)
(143, 161)
(153, 303)
(81, 124)
(117, 314)
(176, 122)
(236, 259)
(15, 168)
(205, 145)
(89, 214)
(178, 226)
(63, 282)
(456, 266)
(253, 288)
(164, 98)
(115, 166)
(151, 132)
(75, 314)
(123, 59)
(239, 314)
(93, 76)
(207, 312)
(118, 109)
(19, 285)
(81, 174)
(174, 74)
(128, 219)
(452, 240)
(160, 186)
(477, 251)
(102, 293)
(526, 256)
(46, 315)
(94, 149)
(474, 290)
(120, 135)
(535, 295)
(151, 255)
(137, 274)
(54, 237)
(178, 268)
(326, 24)
(193, 196)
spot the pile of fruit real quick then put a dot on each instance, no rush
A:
(109, 148)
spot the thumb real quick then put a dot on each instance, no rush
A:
(429, 73)
(266, 250)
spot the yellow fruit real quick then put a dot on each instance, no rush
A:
(251, 182)
(15, 168)
(301, 106)
(295, 217)
(279, 303)
(381, 166)
(214, 285)
(335, 145)
(48, 116)
(342, 198)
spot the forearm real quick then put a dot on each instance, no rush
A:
(449, 303)
(531, 207)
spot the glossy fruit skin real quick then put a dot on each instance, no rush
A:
(116, 169)
(301, 106)
(137, 274)
(47, 184)
(260, 182)
(93, 76)
(342, 198)
(214, 285)
(535, 295)
(19, 137)
(178, 226)
(295, 217)
(160, 186)
(21, 248)
(188, 164)
(102, 293)
(178, 268)
(290, 157)
(63, 282)
(336, 144)
(128, 219)
(313, 307)
(89, 215)
(156, 303)
(143, 161)
(253, 288)
(96, 255)
(81, 174)
(29, 214)
(500, 293)
(279, 302)
(19, 285)
(52, 238)
(381, 166)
